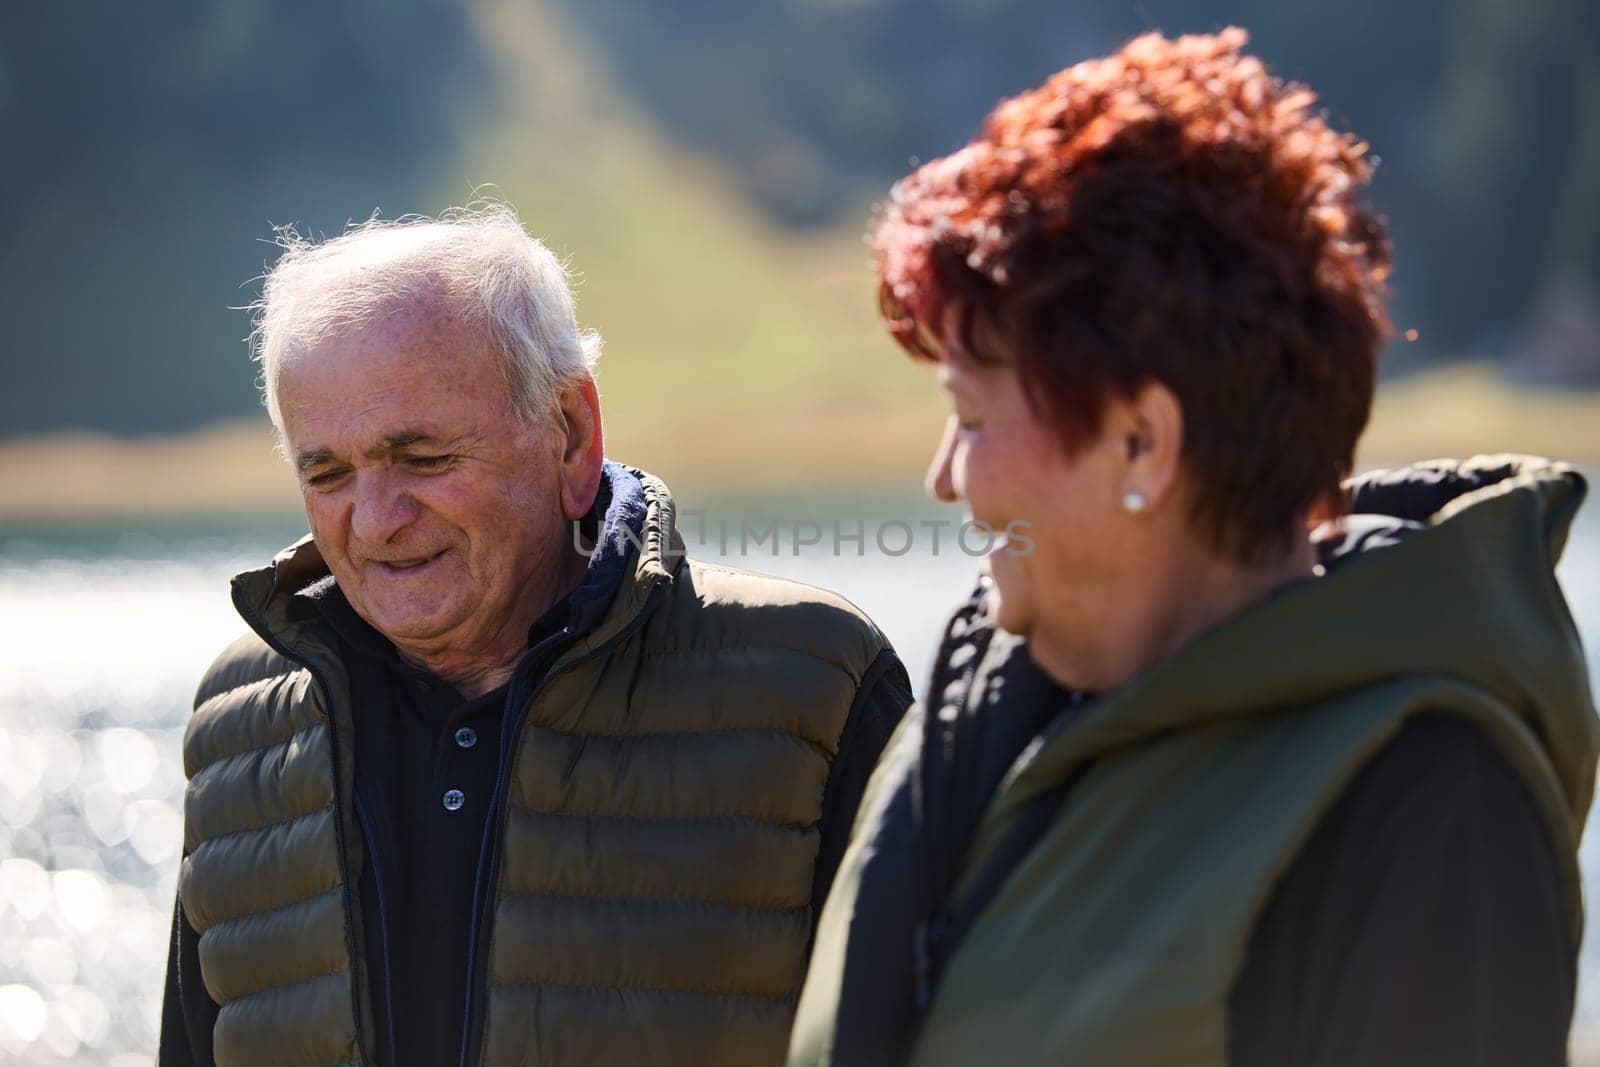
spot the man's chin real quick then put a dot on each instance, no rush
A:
(406, 625)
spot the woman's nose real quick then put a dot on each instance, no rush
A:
(940, 483)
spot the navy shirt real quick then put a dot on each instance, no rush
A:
(426, 767)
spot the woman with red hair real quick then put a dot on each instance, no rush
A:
(1231, 760)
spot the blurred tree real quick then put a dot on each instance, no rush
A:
(148, 146)
(1512, 165)
(1484, 113)
(815, 103)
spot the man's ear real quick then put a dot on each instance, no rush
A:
(583, 451)
(1152, 428)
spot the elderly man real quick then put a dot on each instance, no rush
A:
(498, 776)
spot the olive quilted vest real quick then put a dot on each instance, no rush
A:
(654, 856)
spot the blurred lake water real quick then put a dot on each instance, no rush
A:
(103, 634)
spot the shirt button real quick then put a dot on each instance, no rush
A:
(453, 799)
(466, 737)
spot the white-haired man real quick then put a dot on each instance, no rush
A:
(498, 776)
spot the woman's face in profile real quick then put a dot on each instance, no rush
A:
(1063, 513)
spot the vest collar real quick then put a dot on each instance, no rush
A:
(658, 553)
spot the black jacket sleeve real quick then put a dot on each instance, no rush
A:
(1424, 923)
(881, 701)
(187, 1012)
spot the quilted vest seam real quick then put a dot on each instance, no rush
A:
(287, 985)
(261, 681)
(328, 807)
(274, 743)
(788, 827)
(717, 650)
(636, 817)
(598, 898)
(241, 916)
(709, 732)
(781, 998)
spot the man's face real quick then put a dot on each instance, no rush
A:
(436, 508)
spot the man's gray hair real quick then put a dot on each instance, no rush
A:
(478, 258)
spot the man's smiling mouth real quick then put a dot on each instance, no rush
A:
(400, 568)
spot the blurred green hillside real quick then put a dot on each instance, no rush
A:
(732, 343)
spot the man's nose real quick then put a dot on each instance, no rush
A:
(381, 508)
(940, 483)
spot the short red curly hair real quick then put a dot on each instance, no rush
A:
(1170, 213)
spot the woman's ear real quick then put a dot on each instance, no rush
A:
(1152, 429)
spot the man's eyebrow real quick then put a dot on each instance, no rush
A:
(394, 442)
(390, 443)
(315, 457)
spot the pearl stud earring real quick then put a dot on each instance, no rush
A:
(1133, 503)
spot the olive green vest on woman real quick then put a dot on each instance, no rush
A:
(656, 851)
(1191, 789)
